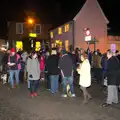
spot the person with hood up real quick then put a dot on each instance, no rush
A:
(33, 73)
(66, 67)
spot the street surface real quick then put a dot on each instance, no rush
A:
(17, 105)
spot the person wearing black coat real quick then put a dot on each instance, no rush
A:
(53, 70)
(113, 71)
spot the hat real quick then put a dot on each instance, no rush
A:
(12, 50)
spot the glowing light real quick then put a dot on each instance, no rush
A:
(30, 21)
(19, 45)
(59, 30)
(51, 34)
(67, 28)
(37, 46)
(34, 35)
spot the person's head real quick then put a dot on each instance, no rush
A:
(83, 56)
(117, 52)
(64, 52)
(54, 52)
(96, 53)
(47, 53)
(109, 54)
(34, 55)
(12, 51)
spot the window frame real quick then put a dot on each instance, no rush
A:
(22, 27)
(36, 30)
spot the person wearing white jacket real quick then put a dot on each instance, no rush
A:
(85, 76)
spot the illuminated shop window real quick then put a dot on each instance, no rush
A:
(51, 34)
(19, 45)
(59, 43)
(67, 45)
(67, 27)
(37, 46)
(59, 30)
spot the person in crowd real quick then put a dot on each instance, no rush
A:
(24, 57)
(74, 60)
(33, 70)
(89, 56)
(46, 71)
(53, 70)
(97, 68)
(4, 61)
(104, 71)
(14, 67)
(42, 67)
(66, 67)
(112, 79)
(85, 76)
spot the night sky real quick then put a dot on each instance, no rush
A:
(55, 12)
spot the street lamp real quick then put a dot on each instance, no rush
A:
(30, 21)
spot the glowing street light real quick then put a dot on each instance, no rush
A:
(30, 21)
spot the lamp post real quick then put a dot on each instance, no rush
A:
(31, 22)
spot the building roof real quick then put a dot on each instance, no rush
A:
(98, 5)
(76, 12)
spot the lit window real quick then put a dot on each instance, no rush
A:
(67, 27)
(19, 45)
(59, 31)
(67, 45)
(37, 46)
(51, 34)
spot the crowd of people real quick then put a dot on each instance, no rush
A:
(76, 67)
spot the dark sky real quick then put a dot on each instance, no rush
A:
(54, 11)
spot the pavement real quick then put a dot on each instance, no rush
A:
(15, 104)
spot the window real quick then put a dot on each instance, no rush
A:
(67, 27)
(67, 45)
(38, 29)
(51, 34)
(19, 45)
(59, 30)
(37, 46)
(19, 28)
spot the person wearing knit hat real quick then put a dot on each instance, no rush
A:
(14, 67)
(12, 51)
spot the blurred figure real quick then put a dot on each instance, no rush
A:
(46, 71)
(85, 77)
(33, 73)
(42, 67)
(53, 70)
(24, 62)
(97, 68)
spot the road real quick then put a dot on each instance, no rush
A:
(17, 105)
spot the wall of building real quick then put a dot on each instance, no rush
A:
(13, 36)
(113, 42)
(64, 36)
(91, 17)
